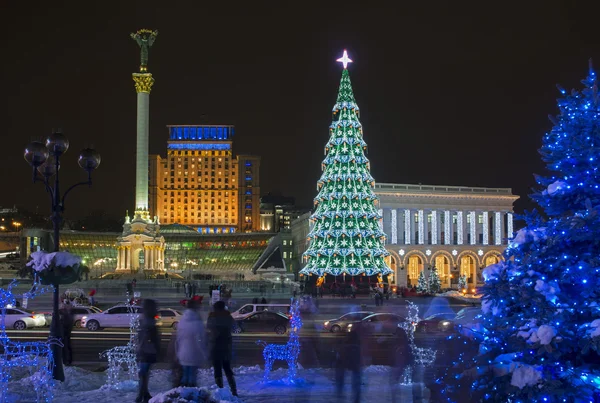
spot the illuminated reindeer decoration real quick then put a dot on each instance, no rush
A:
(120, 356)
(287, 352)
(34, 355)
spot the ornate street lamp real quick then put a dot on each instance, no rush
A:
(44, 159)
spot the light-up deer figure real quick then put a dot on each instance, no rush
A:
(287, 352)
(34, 355)
(120, 356)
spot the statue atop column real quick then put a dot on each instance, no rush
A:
(144, 38)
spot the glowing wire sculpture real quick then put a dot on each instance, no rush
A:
(287, 352)
(124, 356)
(422, 356)
(36, 356)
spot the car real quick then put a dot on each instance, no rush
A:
(21, 319)
(248, 309)
(170, 317)
(262, 322)
(340, 324)
(117, 316)
(435, 323)
(79, 312)
(379, 323)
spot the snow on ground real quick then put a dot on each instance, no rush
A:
(470, 298)
(315, 385)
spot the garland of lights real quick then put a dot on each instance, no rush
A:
(286, 352)
(486, 228)
(460, 227)
(447, 222)
(407, 227)
(120, 356)
(509, 225)
(497, 229)
(434, 227)
(394, 227)
(472, 227)
(421, 215)
(34, 355)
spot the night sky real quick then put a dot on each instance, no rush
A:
(449, 94)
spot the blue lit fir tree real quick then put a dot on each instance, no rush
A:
(541, 312)
(346, 236)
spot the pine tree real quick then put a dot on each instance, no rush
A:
(435, 285)
(541, 306)
(346, 236)
(422, 285)
(462, 283)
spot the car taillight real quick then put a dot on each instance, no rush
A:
(32, 316)
(157, 317)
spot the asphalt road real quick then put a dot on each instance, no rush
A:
(317, 348)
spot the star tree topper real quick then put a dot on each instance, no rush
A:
(344, 59)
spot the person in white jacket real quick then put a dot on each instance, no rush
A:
(191, 343)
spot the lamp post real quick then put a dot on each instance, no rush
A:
(44, 159)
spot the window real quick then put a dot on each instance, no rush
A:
(117, 310)
(166, 313)
(285, 255)
(284, 242)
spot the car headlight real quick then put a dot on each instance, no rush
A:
(349, 328)
(445, 323)
(326, 323)
(84, 318)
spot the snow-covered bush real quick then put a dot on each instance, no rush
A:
(56, 267)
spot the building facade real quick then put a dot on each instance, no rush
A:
(173, 249)
(201, 184)
(458, 230)
(278, 212)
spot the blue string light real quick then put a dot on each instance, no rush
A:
(286, 352)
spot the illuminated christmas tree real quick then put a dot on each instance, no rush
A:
(462, 282)
(541, 328)
(346, 236)
(422, 285)
(435, 284)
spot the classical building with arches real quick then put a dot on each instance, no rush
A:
(458, 230)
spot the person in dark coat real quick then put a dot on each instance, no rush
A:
(66, 323)
(219, 325)
(148, 347)
(349, 357)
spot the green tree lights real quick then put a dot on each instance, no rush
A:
(346, 236)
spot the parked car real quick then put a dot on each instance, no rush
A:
(117, 316)
(80, 311)
(170, 317)
(435, 323)
(248, 309)
(262, 322)
(379, 323)
(21, 319)
(339, 324)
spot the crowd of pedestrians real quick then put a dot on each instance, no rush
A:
(192, 345)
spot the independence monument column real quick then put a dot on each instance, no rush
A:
(143, 85)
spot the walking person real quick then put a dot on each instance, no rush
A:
(190, 343)
(186, 289)
(348, 358)
(219, 326)
(148, 347)
(66, 322)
